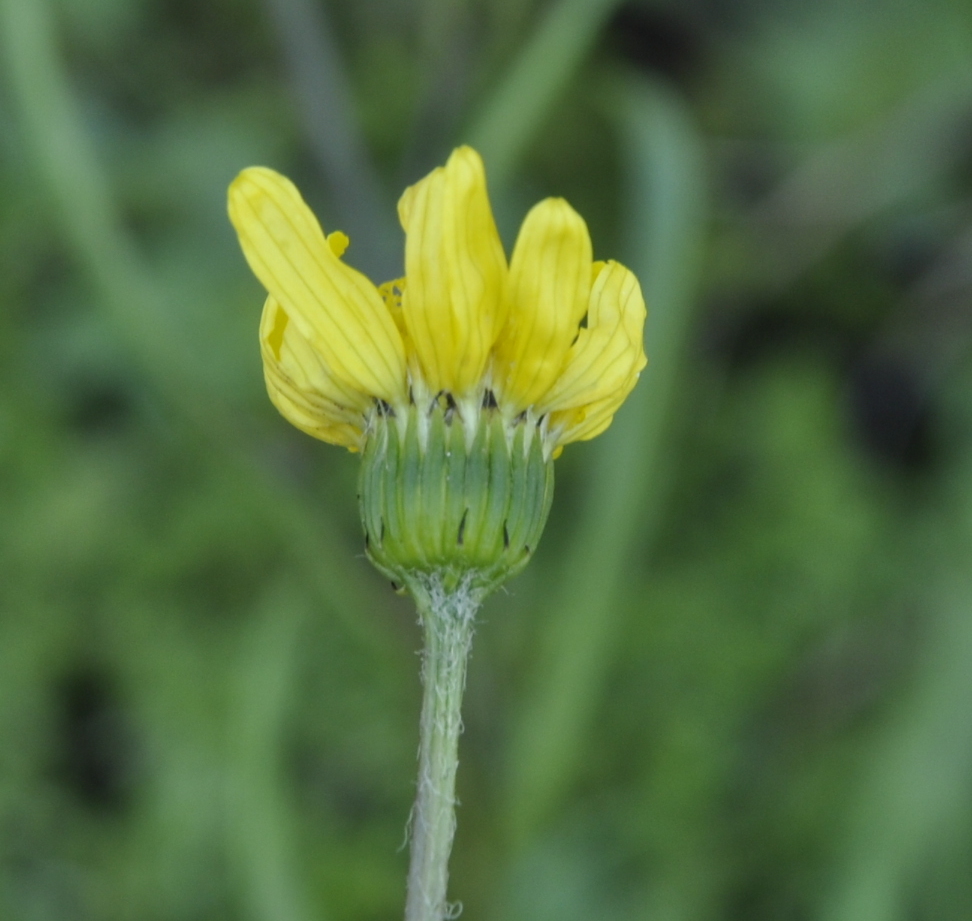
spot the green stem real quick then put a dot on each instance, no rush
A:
(448, 618)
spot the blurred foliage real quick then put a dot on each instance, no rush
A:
(734, 684)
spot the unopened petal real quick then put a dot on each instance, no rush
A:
(548, 294)
(603, 364)
(302, 387)
(454, 300)
(337, 310)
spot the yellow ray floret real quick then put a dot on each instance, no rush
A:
(603, 365)
(554, 340)
(337, 310)
(549, 289)
(454, 300)
(302, 386)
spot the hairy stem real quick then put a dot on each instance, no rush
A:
(448, 619)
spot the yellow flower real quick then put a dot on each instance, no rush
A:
(553, 341)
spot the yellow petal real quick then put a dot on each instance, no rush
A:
(591, 420)
(454, 303)
(603, 364)
(337, 310)
(302, 387)
(548, 294)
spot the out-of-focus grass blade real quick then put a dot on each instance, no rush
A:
(627, 473)
(848, 181)
(136, 308)
(914, 796)
(259, 819)
(514, 112)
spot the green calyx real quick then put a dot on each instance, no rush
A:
(436, 498)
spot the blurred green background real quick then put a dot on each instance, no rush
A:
(736, 681)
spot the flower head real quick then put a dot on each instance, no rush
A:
(551, 342)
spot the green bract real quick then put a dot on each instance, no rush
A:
(438, 499)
